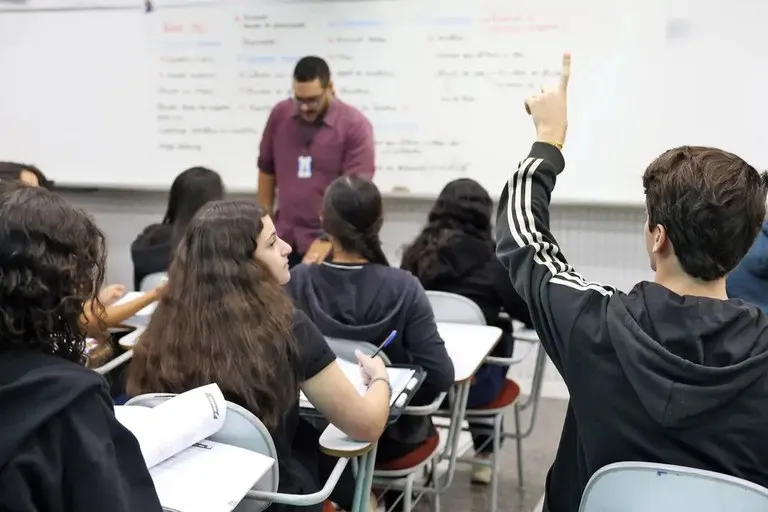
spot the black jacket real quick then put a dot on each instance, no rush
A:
(61, 448)
(365, 303)
(652, 376)
(151, 252)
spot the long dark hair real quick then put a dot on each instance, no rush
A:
(223, 318)
(353, 214)
(189, 192)
(51, 264)
(463, 206)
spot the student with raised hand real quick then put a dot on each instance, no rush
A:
(455, 253)
(357, 296)
(225, 318)
(152, 250)
(61, 448)
(673, 372)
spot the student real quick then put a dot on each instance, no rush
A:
(673, 372)
(358, 296)
(152, 250)
(61, 448)
(224, 318)
(455, 253)
(27, 174)
(749, 280)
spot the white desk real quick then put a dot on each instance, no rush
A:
(129, 340)
(336, 443)
(468, 346)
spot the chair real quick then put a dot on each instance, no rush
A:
(450, 307)
(151, 281)
(643, 486)
(453, 308)
(245, 430)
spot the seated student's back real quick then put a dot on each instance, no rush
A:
(358, 296)
(152, 250)
(749, 281)
(61, 448)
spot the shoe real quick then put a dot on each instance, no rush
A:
(481, 474)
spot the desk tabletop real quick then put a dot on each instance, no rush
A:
(468, 345)
(526, 334)
(130, 339)
(338, 444)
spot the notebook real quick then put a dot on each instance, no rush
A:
(192, 473)
(399, 379)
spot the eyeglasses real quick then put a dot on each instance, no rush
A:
(311, 101)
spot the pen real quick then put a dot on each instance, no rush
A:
(387, 341)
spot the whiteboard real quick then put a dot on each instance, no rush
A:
(129, 99)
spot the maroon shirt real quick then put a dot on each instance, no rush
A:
(341, 145)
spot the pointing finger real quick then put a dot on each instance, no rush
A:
(565, 74)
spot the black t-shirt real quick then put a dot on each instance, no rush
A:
(297, 458)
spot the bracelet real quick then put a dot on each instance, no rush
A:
(384, 380)
(558, 145)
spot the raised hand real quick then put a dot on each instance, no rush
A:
(549, 108)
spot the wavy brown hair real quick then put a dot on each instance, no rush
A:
(51, 264)
(222, 318)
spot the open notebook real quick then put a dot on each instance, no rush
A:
(399, 379)
(190, 472)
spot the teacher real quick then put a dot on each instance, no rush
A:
(308, 141)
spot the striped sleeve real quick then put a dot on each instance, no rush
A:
(557, 296)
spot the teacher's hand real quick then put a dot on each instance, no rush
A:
(317, 252)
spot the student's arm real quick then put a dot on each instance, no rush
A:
(511, 301)
(328, 389)
(112, 316)
(359, 150)
(266, 165)
(564, 307)
(424, 344)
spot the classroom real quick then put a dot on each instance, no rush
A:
(520, 264)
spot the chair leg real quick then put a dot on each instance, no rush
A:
(408, 493)
(436, 486)
(495, 462)
(519, 448)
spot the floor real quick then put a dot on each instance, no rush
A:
(539, 451)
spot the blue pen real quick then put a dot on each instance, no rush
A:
(387, 341)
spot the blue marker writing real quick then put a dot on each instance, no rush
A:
(387, 341)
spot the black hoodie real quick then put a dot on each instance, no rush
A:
(151, 252)
(365, 303)
(61, 448)
(653, 376)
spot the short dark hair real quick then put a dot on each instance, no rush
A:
(312, 68)
(711, 203)
(13, 170)
(51, 263)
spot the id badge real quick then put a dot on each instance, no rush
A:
(305, 167)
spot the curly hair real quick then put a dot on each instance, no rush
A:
(222, 318)
(51, 263)
(711, 203)
(353, 214)
(463, 206)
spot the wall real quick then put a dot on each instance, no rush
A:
(604, 244)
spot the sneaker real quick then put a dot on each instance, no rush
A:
(481, 474)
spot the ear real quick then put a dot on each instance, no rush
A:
(660, 239)
(331, 88)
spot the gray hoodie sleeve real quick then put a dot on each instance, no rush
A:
(425, 345)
